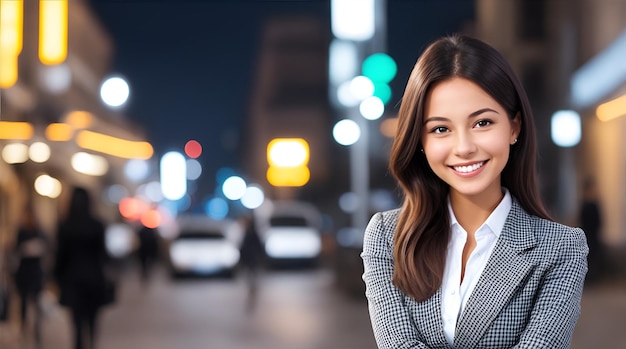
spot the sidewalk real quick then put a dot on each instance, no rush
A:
(600, 325)
(55, 326)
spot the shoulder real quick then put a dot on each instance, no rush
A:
(548, 230)
(382, 227)
(553, 238)
(559, 237)
(385, 220)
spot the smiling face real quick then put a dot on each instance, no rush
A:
(467, 137)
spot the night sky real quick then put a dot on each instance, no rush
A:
(191, 64)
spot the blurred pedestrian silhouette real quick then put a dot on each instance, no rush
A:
(148, 251)
(30, 249)
(251, 257)
(80, 267)
(591, 223)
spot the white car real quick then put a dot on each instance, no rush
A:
(202, 246)
(290, 230)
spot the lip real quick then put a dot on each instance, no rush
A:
(472, 173)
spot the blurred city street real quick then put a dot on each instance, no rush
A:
(296, 310)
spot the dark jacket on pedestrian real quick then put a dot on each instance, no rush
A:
(81, 257)
(30, 247)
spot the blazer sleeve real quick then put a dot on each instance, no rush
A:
(391, 322)
(557, 309)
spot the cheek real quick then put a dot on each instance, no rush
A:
(436, 152)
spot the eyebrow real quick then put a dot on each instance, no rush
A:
(472, 115)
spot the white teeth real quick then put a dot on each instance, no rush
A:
(466, 169)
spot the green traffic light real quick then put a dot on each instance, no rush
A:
(379, 67)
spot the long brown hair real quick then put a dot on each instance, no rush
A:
(423, 229)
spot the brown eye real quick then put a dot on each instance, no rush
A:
(483, 123)
(439, 129)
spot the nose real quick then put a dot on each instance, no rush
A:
(464, 144)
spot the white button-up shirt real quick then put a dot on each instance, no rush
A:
(455, 293)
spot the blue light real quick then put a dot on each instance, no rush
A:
(601, 75)
(217, 208)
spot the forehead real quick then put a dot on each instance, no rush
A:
(458, 96)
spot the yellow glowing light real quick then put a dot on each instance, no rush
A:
(11, 26)
(79, 119)
(288, 152)
(52, 31)
(612, 109)
(8, 69)
(114, 146)
(59, 132)
(288, 176)
(16, 130)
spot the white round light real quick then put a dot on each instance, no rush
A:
(361, 87)
(253, 197)
(372, 108)
(565, 128)
(15, 153)
(114, 91)
(39, 152)
(346, 132)
(345, 96)
(234, 188)
(48, 186)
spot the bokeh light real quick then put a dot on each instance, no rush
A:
(372, 108)
(253, 197)
(114, 91)
(217, 208)
(15, 153)
(39, 152)
(193, 149)
(234, 188)
(115, 193)
(173, 175)
(46, 185)
(89, 164)
(566, 128)
(194, 169)
(151, 218)
(361, 87)
(349, 202)
(132, 208)
(346, 132)
(136, 169)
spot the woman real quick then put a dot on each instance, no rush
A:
(472, 258)
(79, 269)
(30, 249)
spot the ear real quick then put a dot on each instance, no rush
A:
(516, 127)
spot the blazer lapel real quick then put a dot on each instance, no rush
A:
(505, 269)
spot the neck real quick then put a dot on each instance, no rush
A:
(472, 211)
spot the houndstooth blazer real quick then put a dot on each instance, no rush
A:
(528, 296)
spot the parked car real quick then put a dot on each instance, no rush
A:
(203, 246)
(290, 230)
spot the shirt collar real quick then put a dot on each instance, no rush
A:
(496, 219)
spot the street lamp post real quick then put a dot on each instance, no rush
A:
(366, 31)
